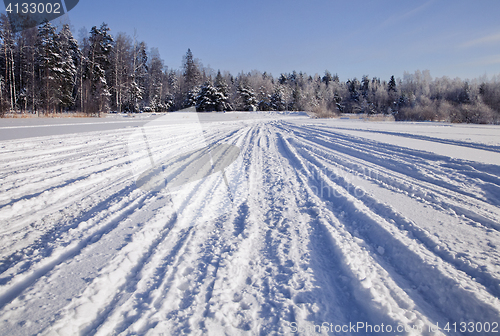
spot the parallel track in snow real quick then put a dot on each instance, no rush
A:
(335, 228)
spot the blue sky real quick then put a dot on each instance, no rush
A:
(378, 38)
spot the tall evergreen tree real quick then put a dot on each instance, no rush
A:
(464, 96)
(327, 78)
(264, 99)
(365, 85)
(277, 101)
(173, 94)
(207, 99)
(98, 62)
(392, 90)
(49, 63)
(221, 86)
(191, 97)
(247, 95)
(391, 87)
(192, 77)
(70, 58)
(139, 77)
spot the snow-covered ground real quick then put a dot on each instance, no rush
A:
(315, 226)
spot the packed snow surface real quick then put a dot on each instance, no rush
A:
(311, 226)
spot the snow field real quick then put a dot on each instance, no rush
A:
(327, 225)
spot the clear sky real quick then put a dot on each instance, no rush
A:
(379, 38)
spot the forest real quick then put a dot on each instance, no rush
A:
(46, 70)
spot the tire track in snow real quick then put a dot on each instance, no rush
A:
(84, 195)
(287, 255)
(66, 274)
(43, 163)
(472, 265)
(453, 304)
(78, 234)
(195, 265)
(57, 188)
(16, 288)
(418, 165)
(485, 147)
(164, 272)
(130, 281)
(324, 298)
(372, 293)
(483, 214)
(45, 245)
(275, 278)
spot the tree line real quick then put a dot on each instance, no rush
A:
(46, 70)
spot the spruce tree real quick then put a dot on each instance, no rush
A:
(191, 97)
(70, 55)
(139, 77)
(248, 100)
(192, 77)
(327, 78)
(392, 85)
(264, 100)
(365, 85)
(100, 47)
(207, 99)
(222, 94)
(49, 63)
(392, 90)
(277, 99)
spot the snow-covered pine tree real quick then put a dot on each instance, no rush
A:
(365, 86)
(49, 61)
(337, 100)
(296, 104)
(136, 94)
(192, 76)
(222, 99)
(70, 57)
(327, 78)
(264, 100)
(207, 98)
(168, 101)
(173, 97)
(392, 91)
(100, 47)
(353, 86)
(464, 96)
(283, 79)
(247, 96)
(353, 103)
(392, 85)
(140, 75)
(277, 99)
(191, 97)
